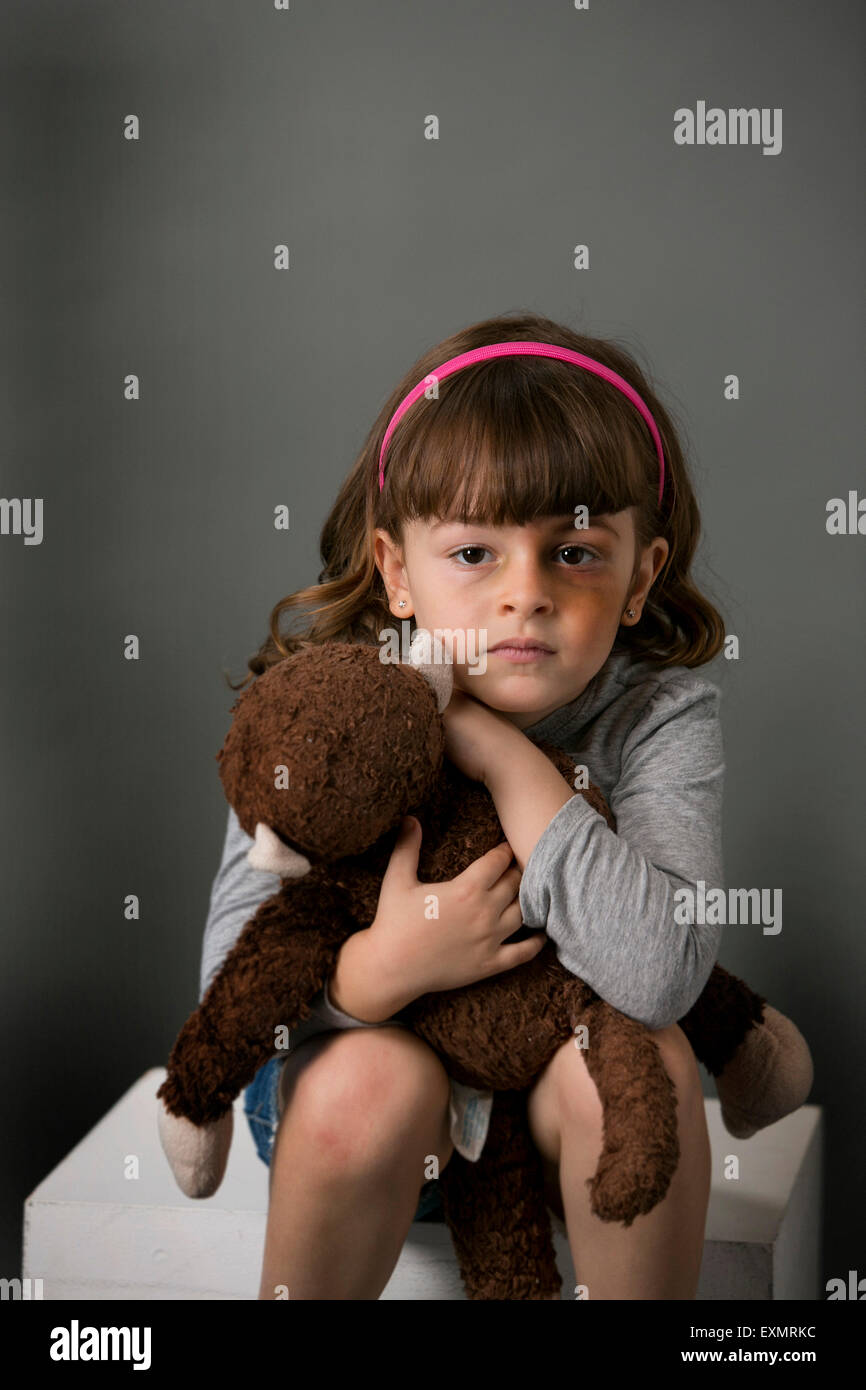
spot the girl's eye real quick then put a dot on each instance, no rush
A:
(482, 550)
(468, 549)
(591, 553)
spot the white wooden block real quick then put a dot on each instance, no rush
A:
(763, 1229)
(92, 1233)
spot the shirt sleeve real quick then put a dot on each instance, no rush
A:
(237, 892)
(607, 898)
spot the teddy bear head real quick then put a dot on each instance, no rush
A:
(331, 747)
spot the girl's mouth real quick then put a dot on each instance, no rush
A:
(521, 654)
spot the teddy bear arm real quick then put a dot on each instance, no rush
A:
(280, 961)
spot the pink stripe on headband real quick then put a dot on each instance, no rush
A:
(533, 349)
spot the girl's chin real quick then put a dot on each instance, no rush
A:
(514, 701)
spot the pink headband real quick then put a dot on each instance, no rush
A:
(535, 350)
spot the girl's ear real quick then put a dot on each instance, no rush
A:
(389, 558)
(427, 653)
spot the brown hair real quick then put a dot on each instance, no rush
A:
(564, 435)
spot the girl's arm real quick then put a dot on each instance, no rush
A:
(237, 892)
(605, 898)
(356, 990)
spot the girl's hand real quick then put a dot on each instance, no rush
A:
(474, 735)
(417, 952)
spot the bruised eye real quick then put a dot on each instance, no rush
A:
(482, 550)
(580, 549)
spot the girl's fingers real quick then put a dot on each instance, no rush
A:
(520, 952)
(511, 920)
(506, 889)
(490, 867)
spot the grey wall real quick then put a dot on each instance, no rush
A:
(155, 257)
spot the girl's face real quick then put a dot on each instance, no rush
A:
(546, 580)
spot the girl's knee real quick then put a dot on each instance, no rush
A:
(367, 1094)
(565, 1095)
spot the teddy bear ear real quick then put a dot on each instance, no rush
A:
(269, 853)
(429, 656)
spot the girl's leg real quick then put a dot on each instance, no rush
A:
(659, 1255)
(364, 1109)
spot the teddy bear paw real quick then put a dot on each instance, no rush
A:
(628, 1183)
(197, 1154)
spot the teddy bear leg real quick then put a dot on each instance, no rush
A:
(769, 1077)
(497, 1212)
(759, 1058)
(721, 1018)
(640, 1148)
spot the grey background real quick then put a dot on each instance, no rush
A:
(258, 387)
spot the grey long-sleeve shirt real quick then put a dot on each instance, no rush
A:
(651, 738)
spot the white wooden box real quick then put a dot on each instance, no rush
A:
(92, 1233)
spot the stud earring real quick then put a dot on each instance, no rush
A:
(630, 613)
(402, 603)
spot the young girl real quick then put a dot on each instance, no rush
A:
(525, 498)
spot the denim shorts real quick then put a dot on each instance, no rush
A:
(261, 1107)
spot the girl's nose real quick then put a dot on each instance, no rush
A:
(524, 588)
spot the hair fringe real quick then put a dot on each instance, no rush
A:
(566, 433)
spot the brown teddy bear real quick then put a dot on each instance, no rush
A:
(327, 752)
